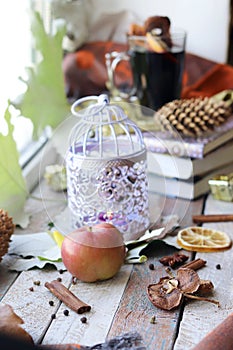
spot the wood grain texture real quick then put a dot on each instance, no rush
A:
(118, 305)
(104, 298)
(33, 306)
(6, 277)
(201, 317)
(135, 310)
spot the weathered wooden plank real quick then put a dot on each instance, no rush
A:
(33, 306)
(104, 298)
(201, 317)
(6, 277)
(135, 310)
(41, 210)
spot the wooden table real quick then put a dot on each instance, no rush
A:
(121, 305)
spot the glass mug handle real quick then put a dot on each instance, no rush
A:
(112, 60)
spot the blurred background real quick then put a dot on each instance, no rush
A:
(208, 24)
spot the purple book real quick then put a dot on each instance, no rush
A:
(163, 142)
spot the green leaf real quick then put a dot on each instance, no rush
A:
(135, 256)
(44, 101)
(12, 184)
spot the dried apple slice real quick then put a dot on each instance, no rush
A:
(162, 295)
(168, 293)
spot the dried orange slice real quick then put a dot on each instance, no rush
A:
(202, 239)
(156, 44)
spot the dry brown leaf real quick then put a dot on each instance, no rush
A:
(10, 324)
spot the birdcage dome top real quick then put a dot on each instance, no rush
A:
(104, 130)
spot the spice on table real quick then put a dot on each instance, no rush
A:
(212, 218)
(67, 297)
(36, 283)
(206, 286)
(168, 293)
(218, 267)
(31, 289)
(153, 320)
(195, 264)
(66, 312)
(51, 302)
(151, 266)
(59, 279)
(173, 260)
(83, 319)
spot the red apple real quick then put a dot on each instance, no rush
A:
(93, 253)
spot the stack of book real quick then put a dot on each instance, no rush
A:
(181, 167)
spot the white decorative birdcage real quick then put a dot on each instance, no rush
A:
(106, 169)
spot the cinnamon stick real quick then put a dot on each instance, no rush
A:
(195, 264)
(67, 297)
(212, 218)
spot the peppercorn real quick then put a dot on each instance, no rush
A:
(66, 312)
(153, 320)
(51, 302)
(59, 279)
(31, 289)
(218, 267)
(151, 267)
(37, 283)
(83, 319)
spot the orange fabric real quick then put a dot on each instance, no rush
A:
(84, 59)
(85, 72)
(219, 78)
(185, 78)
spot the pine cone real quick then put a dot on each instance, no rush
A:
(6, 230)
(193, 117)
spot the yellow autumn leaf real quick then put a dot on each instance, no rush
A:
(58, 238)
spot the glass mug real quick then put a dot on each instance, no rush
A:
(157, 68)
